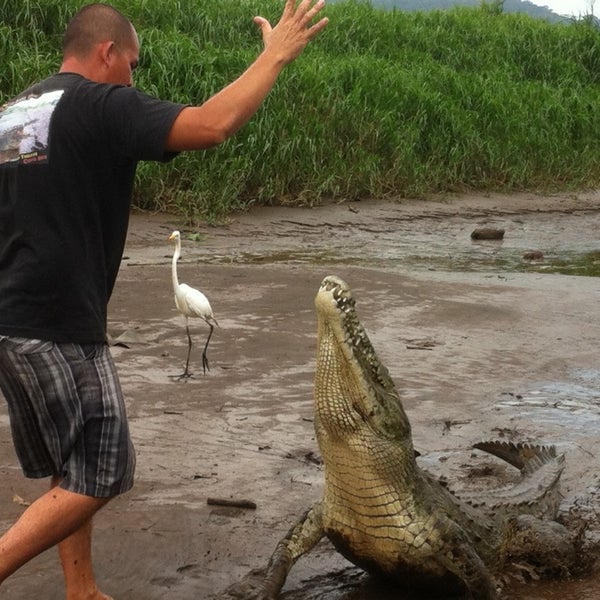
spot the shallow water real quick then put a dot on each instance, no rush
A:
(443, 244)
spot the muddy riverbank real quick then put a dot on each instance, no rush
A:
(481, 342)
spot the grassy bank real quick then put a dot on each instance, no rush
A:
(382, 103)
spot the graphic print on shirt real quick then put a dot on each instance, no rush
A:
(24, 129)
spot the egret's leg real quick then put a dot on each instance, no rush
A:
(186, 372)
(205, 366)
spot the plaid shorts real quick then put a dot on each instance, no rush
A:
(67, 414)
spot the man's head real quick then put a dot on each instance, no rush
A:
(101, 44)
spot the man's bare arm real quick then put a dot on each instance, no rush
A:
(227, 111)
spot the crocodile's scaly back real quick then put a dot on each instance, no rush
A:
(380, 509)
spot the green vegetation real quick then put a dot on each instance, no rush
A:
(383, 103)
(587, 264)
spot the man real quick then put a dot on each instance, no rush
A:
(69, 146)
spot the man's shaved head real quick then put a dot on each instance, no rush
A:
(96, 23)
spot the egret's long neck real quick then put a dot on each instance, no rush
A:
(174, 264)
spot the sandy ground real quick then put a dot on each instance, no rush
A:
(477, 349)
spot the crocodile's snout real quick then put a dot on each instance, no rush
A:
(334, 295)
(333, 282)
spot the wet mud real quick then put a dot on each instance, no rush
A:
(481, 342)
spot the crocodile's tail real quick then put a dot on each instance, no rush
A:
(537, 493)
(525, 457)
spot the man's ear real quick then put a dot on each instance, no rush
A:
(105, 51)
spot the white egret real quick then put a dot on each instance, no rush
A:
(190, 302)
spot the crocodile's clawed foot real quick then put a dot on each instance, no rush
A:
(251, 587)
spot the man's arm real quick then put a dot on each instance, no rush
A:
(227, 111)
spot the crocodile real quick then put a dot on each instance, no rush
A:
(386, 514)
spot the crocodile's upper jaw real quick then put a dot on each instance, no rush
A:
(353, 389)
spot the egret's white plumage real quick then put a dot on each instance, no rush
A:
(190, 302)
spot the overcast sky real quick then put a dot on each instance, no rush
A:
(570, 7)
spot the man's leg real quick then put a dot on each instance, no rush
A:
(52, 518)
(76, 558)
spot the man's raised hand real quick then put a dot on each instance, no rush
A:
(295, 29)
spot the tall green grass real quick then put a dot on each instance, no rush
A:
(383, 103)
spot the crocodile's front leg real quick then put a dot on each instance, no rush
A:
(299, 540)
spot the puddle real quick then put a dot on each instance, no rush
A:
(574, 404)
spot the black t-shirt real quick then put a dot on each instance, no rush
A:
(68, 153)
